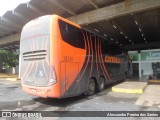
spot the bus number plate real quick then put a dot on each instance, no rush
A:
(34, 90)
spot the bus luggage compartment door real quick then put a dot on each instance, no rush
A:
(69, 75)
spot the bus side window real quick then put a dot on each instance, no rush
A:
(115, 50)
(71, 34)
(105, 47)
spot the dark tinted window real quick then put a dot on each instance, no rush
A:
(71, 34)
(115, 50)
(110, 49)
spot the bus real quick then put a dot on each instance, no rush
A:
(59, 59)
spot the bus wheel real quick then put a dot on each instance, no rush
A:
(101, 84)
(91, 87)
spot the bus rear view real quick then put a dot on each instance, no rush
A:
(58, 59)
(37, 73)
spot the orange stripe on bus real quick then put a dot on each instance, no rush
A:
(44, 70)
(99, 56)
(36, 70)
(92, 56)
(96, 55)
(47, 60)
(87, 48)
(30, 63)
(103, 63)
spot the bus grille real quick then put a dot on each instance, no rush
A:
(34, 55)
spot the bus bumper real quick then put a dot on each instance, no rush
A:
(44, 92)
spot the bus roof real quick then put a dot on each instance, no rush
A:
(67, 21)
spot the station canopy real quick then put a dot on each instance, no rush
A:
(132, 24)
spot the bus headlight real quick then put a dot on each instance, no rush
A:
(52, 76)
(52, 81)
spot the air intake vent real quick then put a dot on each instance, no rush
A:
(34, 55)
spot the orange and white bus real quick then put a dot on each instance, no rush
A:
(59, 58)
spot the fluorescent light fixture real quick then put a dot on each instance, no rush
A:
(96, 30)
(136, 22)
(114, 26)
(6, 47)
(121, 32)
(16, 45)
(105, 35)
(140, 29)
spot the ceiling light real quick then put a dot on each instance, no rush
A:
(105, 35)
(16, 45)
(6, 47)
(114, 26)
(136, 22)
(96, 30)
(121, 32)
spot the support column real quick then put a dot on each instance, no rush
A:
(1, 63)
(140, 68)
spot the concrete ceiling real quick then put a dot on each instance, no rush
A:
(133, 24)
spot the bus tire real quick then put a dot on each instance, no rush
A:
(101, 84)
(91, 87)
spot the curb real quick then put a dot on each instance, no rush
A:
(134, 91)
(154, 81)
(10, 79)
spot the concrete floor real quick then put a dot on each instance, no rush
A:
(13, 98)
(151, 96)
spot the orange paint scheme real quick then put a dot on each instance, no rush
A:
(59, 51)
(73, 57)
(58, 66)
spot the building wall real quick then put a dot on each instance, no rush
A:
(146, 59)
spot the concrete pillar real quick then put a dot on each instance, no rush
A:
(1, 63)
(140, 68)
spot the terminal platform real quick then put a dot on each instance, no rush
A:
(154, 82)
(130, 87)
(151, 96)
(4, 76)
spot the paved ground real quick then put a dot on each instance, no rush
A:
(13, 98)
(151, 97)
